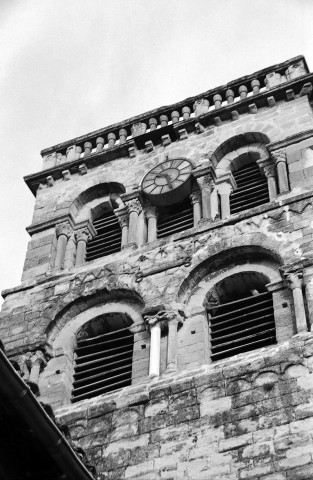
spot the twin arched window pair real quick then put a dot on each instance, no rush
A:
(239, 318)
(251, 191)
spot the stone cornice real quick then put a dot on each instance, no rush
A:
(206, 227)
(167, 109)
(39, 227)
(296, 138)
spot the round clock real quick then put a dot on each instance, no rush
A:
(169, 182)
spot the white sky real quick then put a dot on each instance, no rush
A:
(68, 67)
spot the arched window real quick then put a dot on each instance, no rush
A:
(108, 237)
(252, 189)
(103, 356)
(174, 218)
(240, 315)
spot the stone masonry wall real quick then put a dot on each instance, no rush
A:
(248, 417)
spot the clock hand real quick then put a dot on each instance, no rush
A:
(167, 178)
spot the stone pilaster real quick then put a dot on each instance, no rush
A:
(195, 198)
(280, 159)
(225, 186)
(123, 219)
(82, 236)
(134, 208)
(269, 171)
(294, 282)
(152, 216)
(63, 232)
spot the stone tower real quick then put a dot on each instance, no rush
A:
(167, 293)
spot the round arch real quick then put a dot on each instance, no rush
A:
(95, 199)
(129, 301)
(227, 260)
(240, 157)
(66, 337)
(236, 142)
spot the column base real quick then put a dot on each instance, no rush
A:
(131, 246)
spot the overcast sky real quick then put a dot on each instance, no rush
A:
(68, 67)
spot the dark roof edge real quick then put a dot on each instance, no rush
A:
(18, 393)
(175, 105)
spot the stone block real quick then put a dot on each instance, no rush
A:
(183, 135)
(166, 140)
(235, 442)
(149, 146)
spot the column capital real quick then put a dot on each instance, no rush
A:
(226, 183)
(294, 279)
(82, 235)
(38, 358)
(122, 216)
(269, 171)
(195, 196)
(163, 318)
(151, 211)
(134, 205)
(279, 155)
(206, 182)
(63, 229)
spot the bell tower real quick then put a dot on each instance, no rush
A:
(166, 301)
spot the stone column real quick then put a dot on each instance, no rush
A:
(152, 216)
(224, 191)
(37, 363)
(195, 198)
(82, 237)
(173, 320)
(134, 208)
(63, 232)
(206, 185)
(225, 185)
(281, 165)
(153, 323)
(294, 280)
(269, 172)
(123, 220)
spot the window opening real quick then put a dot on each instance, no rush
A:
(240, 321)
(104, 355)
(175, 218)
(107, 239)
(251, 191)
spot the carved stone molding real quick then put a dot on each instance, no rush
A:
(63, 229)
(269, 171)
(280, 155)
(134, 205)
(82, 235)
(151, 211)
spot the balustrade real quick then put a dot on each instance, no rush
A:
(167, 118)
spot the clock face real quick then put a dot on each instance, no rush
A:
(166, 177)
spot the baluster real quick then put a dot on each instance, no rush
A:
(255, 84)
(87, 149)
(230, 96)
(153, 123)
(243, 91)
(186, 113)
(217, 99)
(175, 117)
(100, 144)
(111, 140)
(123, 135)
(163, 120)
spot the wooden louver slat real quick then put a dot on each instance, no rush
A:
(106, 366)
(242, 325)
(251, 191)
(107, 239)
(175, 218)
